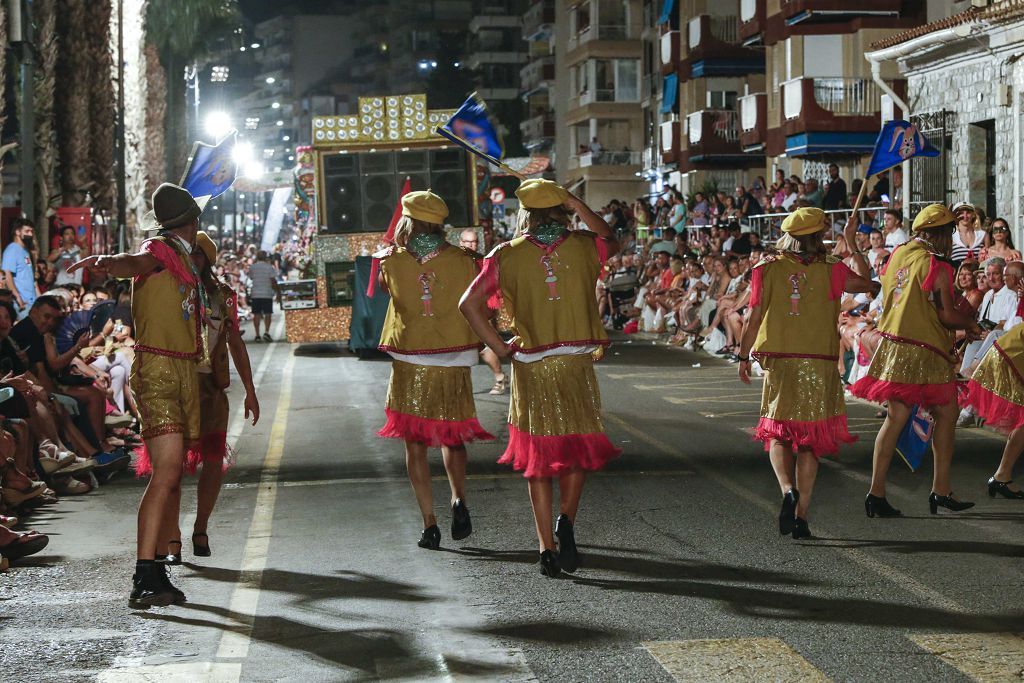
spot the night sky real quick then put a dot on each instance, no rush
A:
(260, 10)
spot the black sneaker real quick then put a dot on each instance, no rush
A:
(150, 587)
(462, 525)
(568, 557)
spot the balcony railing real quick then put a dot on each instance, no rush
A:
(750, 106)
(539, 20)
(670, 49)
(724, 29)
(598, 95)
(610, 158)
(600, 32)
(540, 126)
(718, 123)
(537, 74)
(840, 96)
(649, 86)
(748, 10)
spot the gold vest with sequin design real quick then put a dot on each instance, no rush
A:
(226, 302)
(167, 311)
(798, 317)
(549, 291)
(908, 314)
(423, 316)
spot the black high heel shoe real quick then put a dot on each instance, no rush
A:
(788, 512)
(800, 529)
(170, 557)
(462, 525)
(935, 501)
(430, 538)
(568, 557)
(201, 549)
(876, 506)
(549, 564)
(1002, 488)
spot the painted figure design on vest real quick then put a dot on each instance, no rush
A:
(425, 280)
(901, 282)
(188, 305)
(796, 280)
(550, 277)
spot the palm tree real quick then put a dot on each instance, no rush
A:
(72, 104)
(155, 161)
(45, 15)
(181, 31)
(100, 60)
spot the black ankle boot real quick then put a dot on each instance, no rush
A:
(549, 564)
(568, 557)
(876, 506)
(462, 525)
(788, 511)
(800, 529)
(430, 538)
(150, 586)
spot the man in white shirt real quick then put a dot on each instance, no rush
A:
(892, 228)
(262, 294)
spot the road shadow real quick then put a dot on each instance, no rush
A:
(548, 632)
(914, 547)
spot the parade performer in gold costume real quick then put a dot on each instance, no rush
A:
(546, 278)
(795, 297)
(168, 307)
(913, 365)
(430, 397)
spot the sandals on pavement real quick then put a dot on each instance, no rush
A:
(500, 386)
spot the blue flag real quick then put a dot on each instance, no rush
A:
(472, 124)
(898, 141)
(211, 169)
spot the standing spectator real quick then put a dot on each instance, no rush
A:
(969, 236)
(746, 203)
(596, 148)
(468, 240)
(701, 211)
(835, 190)
(677, 216)
(19, 273)
(813, 193)
(264, 289)
(69, 252)
(892, 228)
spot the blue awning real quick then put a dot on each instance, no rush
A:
(667, 7)
(821, 143)
(669, 93)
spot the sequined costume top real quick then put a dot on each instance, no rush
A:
(908, 311)
(423, 316)
(166, 306)
(224, 306)
(800, 300)
(549, 290)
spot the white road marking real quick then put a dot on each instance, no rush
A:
(733, 659)
(981, 656)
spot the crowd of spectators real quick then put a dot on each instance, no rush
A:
(68, 418)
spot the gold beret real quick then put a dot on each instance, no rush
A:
(806, 220)
(933, 216)
(425, 206)
(538, 193)
(209, 249)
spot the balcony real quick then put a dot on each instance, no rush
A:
(538, 128)
(669, 52)
(649, 86)
(713, 49)
(837, 11)
(753, 121)
(610, 158)
(492, 21)
(831, 115)
(752, 22)
(714, 136)
(539, 74)
(670, 142)
(539, 21)
(601, 32)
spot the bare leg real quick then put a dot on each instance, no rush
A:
(169, 527)
(806, 473)
(166, 452)
(540, 498)
(1012, 451)
(943, 439)
(784, 464)
(885, 445)
(210, 477)
(455, 465)
(570, 490)
(23, 447)
(491, 360)
(419, 476)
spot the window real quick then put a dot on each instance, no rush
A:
(721, 99)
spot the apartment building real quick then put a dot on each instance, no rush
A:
(598, 118)
(537, 77)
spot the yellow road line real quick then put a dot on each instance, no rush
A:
(733, 659)
(901, 579)
(981, 656)
(234, 644)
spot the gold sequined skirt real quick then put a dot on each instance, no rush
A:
(431, 392)
(168, 396)
(555, 396)
(909, 364)
(801, 389)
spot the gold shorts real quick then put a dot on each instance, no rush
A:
(167, 392)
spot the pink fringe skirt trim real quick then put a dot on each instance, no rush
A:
(434, 433)
(999, 413)
(822, 437)
(209, 447)
(927, 395)
(551, 456)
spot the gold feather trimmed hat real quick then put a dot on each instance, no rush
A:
(806, 220)
(538, 193)
(424, 205)
(933, 216)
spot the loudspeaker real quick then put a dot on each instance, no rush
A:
(448, 180)
(342, 193)
(379, 199)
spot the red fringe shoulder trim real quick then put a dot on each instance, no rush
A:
(999, 413)
(927, 395)
(551, 456)
(822, 437)
(434, 433)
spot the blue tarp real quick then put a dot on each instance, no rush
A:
(669, 93)
(667, 7)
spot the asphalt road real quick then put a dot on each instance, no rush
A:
(316, 576)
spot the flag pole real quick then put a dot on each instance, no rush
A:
(445, 133)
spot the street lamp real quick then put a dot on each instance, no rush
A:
(254, 170)
(242, 154)
(218, 124)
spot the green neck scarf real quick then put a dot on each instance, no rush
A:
(548, 233)
(425, 244)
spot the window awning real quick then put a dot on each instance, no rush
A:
(667, 7)
(669, 93)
